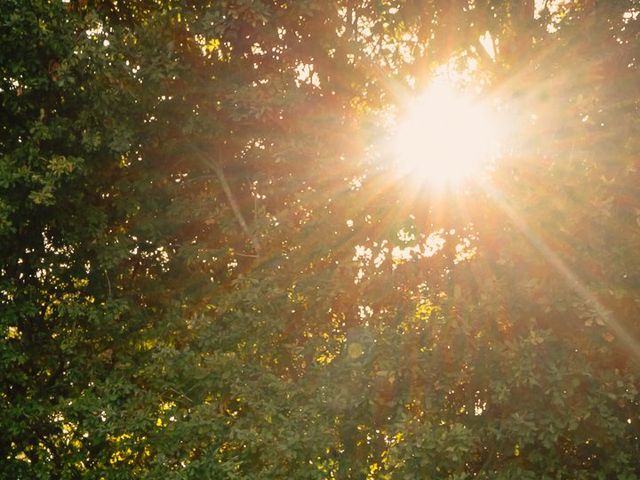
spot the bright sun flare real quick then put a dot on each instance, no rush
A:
(445, 137)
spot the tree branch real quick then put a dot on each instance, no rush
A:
(217, 168)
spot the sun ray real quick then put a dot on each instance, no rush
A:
(571, 279)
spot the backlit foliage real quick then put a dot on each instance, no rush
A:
(211, 266)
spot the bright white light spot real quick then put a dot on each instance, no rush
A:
(486, 40)
(446, 137)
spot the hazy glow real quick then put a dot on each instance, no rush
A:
(445, 137)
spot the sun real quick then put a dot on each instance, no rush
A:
(445, 137)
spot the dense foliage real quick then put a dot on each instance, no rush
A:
(210, 269)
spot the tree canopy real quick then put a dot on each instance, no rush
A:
(211, 266)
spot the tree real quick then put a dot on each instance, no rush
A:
(210, 269)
